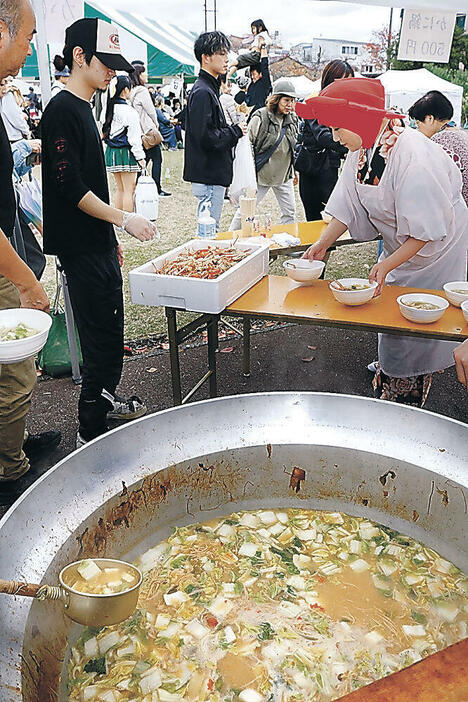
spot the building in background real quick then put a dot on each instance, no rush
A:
(320, 51)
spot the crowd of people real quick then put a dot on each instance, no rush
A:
(104, 118)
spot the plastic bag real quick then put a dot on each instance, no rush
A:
(54, 358)
(146, 198)
(244, 177)
(30, 201)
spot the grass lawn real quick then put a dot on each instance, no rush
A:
(177, 224)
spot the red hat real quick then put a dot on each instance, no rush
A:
(357, 104)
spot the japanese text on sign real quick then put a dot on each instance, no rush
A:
(426, 36)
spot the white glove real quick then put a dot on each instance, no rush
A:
(139, 227)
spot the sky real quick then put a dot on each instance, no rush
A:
(297, 20)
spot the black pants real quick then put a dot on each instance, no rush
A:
(34, 255)
(95, 285)
(154, 155)
(315, 191)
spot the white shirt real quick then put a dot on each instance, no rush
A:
(419, 195)
(57, 86)
(253, 40)
(13, 117)
(125, 116)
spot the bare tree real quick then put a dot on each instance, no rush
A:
(381, 47)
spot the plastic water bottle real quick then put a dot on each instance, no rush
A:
(206, 225)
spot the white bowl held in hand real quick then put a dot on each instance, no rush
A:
(19, 349)
(415, 314)
(464, 309)
(353, 297)
(456, 298)
(303, 271)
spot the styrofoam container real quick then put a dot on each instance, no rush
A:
(20, 349)
(422, 316)
(456, 298)
(464, 308)
(195, 294)
(353, 297)
(303, 271)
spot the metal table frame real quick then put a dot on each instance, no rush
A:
(246, 318)
(177, 337)
(210, 322)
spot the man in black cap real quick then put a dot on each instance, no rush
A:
(78, 222)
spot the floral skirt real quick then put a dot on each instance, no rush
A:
(121, 160)
(407, 391)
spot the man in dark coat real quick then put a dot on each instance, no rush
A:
(260, 85)
(209, 142)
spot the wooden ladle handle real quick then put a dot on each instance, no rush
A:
(13, 587)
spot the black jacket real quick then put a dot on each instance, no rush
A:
(7, 193)
(315, 137)
(208, 140)
(258, 92)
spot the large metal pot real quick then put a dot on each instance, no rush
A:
(120, 494)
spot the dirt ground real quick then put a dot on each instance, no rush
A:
(282, 359)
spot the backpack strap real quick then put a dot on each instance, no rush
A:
(262, 158)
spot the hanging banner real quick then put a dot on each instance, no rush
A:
(59, 14)
(426, 36)
(176, 86)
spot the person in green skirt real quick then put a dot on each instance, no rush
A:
(125, 155)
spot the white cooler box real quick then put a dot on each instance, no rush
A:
(195, 294)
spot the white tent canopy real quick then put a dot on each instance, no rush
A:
(303, 86)
(172, 40)
(403, 88)
(443, 5)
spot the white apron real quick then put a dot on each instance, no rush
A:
(419, 195)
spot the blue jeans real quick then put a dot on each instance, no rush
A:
(170, 138)
(210, 193)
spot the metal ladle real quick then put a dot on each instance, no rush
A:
(83, 608)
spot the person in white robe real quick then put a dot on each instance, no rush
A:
(399, 184)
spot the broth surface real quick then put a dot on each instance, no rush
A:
(420, 305)
(277, 606)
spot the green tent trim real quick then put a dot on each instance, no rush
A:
(159, 63)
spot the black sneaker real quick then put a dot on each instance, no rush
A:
(164, 194)
(126, 410)
(10, 489)
(38, 445)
